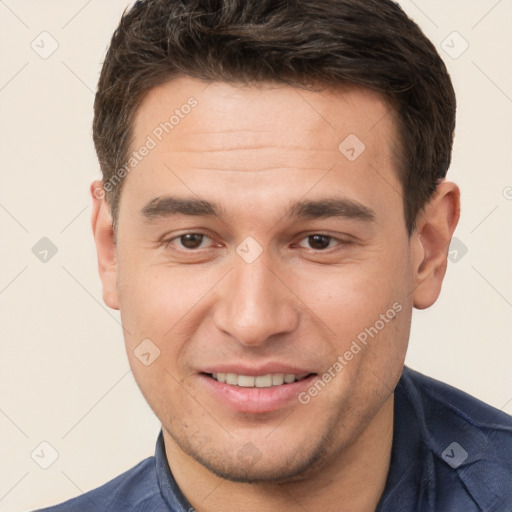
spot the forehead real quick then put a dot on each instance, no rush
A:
(250, 140)
(325, 114)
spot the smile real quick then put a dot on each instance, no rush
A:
(259, 381)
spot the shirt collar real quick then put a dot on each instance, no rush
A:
(169, 490)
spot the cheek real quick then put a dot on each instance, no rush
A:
(166, 306)
(353, 297)
(367, 309)
(154, 304)
(153, 299)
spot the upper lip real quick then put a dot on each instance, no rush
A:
(254, 371)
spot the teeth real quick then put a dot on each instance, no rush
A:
(245, 381)
(277, 379)
(261, 381)
(232, 379)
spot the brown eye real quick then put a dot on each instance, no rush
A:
(317, 242)
(191, 240)
(187, 241)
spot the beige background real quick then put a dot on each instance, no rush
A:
(64, 375)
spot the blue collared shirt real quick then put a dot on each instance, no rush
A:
(450, 453)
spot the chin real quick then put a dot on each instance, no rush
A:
(271, 468)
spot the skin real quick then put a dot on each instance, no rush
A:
(253, 150)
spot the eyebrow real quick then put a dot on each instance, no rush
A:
(168, 206)
(331, 207)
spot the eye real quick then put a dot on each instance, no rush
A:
(188, 241)
(319, 242)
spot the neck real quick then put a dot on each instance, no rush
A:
(352, 480)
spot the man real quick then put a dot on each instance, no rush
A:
(273, 206)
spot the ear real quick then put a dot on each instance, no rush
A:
(103, 232)
(431, 241)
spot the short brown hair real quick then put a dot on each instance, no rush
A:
(367, 43)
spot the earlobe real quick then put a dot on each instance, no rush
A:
(434, 231)
(103, 233)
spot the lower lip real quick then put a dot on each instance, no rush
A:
(256, 400)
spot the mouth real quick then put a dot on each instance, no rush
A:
(258, 381)
(256, 394)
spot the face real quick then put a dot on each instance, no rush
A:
(261, 243)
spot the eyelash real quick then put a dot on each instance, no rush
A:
(341, 242)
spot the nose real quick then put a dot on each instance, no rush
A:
(255, 303)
